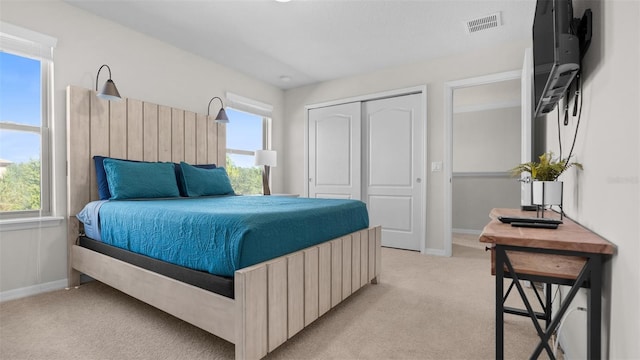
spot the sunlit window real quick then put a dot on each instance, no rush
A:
(246, 133)
(25, 71)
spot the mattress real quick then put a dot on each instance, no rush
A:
(220, 235)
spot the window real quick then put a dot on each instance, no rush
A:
(25, 97)
(246, 133)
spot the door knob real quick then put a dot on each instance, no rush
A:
(418, 180)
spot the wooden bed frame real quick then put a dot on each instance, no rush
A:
(274, 300)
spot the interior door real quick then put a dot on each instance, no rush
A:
(394, 170)
(335, 152)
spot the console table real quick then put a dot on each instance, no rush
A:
(569, 255)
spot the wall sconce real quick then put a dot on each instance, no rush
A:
(222, 115)
(109, 91)
(267, 158)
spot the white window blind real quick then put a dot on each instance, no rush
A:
(249, 105)
(26, 42)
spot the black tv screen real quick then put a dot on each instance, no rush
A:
(543, 46)
(556, 53)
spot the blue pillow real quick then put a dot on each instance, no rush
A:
(131, 180)
(181, 187)
(103, 184)
(203, 182)
(101, 176)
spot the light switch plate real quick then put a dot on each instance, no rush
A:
(436, 166)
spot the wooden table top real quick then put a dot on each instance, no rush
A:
(568, 236)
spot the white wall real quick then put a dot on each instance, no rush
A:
(605, 197)
(474, 196)
(434, 74)
(484, 141)
(143, 68)
(487, 141)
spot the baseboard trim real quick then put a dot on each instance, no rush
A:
(32, 290)
(437, 252)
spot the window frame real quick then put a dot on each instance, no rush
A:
(30, 44)
(266, 135)
(256, 108)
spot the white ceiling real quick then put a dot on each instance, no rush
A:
(312, 41)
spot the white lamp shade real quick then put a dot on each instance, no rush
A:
(266, 157)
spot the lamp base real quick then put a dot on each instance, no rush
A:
(265, 181)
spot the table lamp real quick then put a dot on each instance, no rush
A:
(267, 158)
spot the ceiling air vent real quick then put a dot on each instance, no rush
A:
(483, 23)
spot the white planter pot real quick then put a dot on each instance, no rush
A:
(552, 191)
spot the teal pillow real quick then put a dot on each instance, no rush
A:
(131, 180)
(203, 182)
(183, 191)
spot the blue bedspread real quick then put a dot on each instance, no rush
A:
(222, 234)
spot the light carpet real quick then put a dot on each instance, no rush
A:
(424, 307)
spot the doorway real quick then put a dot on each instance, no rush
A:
(496, 131)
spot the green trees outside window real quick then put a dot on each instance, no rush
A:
(244, 180)
(20, 187)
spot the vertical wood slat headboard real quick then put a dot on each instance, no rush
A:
(135, 130)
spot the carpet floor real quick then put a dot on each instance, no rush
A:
(424, 307)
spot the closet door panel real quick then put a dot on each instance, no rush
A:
(393, 131)
(333, 140)
(335, 152)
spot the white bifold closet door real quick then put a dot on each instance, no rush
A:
(373, 151)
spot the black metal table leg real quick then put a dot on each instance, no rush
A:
(594, 309)
(585, 274)
(548, 306)
(500, 255)
(543, 334)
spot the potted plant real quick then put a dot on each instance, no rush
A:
(544, 173)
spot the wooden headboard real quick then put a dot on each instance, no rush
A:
(135, 130)
(129, 129)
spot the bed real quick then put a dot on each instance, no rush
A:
(272, 300)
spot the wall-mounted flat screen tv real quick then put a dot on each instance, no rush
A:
(556, 53)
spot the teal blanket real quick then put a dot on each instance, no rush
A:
(223, 234)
